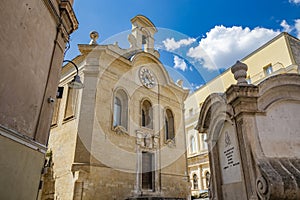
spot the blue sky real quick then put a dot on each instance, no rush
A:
(197, 39)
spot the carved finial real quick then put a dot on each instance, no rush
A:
(239, 71)
(94, 35)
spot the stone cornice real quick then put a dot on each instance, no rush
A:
(22, 139)
(67, 18)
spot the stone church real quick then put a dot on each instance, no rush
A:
(122, 135)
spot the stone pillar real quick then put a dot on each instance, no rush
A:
(200, 178)
(136, 32)
(244, 102)
(87, 111)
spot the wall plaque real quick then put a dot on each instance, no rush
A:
(230, 163)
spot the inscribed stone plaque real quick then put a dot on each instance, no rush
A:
(229, 155)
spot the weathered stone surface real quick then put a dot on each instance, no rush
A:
(33, 38)
(256, 136)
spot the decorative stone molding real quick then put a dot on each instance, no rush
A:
(120, 130)
(68, 16)
(262, 187)
(280, 178)
(170, 143)
(146, 139)
(68, 20)
(22, 139)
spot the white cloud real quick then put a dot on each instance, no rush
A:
(222, 45)
(192, 87)
(179, 63)
(291, 28)
(294, 1)
(286, 27)
(171, 44)
(297, 27)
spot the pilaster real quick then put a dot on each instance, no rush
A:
(243, 99)
(87, 112)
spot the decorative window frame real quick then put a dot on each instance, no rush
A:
(122, 94)
(151, 114)
(147, 142)
(268, 69)
(169, 141)
(195, 181)
(74, 99)
(56, 113)
(193, 148)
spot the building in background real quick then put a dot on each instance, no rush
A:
(122, 135)
(33, 37)
(279, 55)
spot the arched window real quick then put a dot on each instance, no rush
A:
(169, 125)
(117, 112)
(147, 114)
(195, 181)
(120, 115)
(193, 144)
(203, 141)
(207, 179)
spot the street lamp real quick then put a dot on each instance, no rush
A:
(76, 82)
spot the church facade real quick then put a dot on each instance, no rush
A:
(122, 136)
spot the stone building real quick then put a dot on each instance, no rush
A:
(253, 138)
(121, 136)
(278, 56)
(33, 37)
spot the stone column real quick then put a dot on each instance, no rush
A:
(243, 98)
(87, 111)
(200, 178)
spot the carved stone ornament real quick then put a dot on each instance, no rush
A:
(120, 130)
(171, 143)
(239, 71)
(280, 178)
(146, 140)
(262, 187)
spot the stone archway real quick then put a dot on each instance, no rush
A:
(249, 131)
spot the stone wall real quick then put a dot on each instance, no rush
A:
(258, 157)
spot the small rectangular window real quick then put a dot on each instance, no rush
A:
(117, 112)
(248, 79)
(268, 70)
(203, 141)
(55, 112)
(71, 103)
